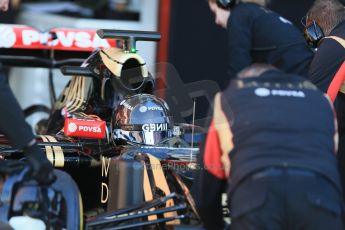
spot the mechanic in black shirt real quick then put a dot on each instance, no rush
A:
(327, 18)
(256, 34)
(19, 133)
(280, 166)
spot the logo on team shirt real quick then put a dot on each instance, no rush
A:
(263, 92)
(285, 20)
(287, 93)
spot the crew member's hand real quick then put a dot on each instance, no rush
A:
(42, 169)
(4, 5)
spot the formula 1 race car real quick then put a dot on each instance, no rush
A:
(121, 160)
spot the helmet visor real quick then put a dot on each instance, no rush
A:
(142, 137)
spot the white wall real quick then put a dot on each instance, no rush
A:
(30, 85)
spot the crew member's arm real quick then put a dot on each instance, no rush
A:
(12, 120)
(239, 40)
(4, 5)
(20, 135)
(336, 133)
(325, 64)
(214, 169)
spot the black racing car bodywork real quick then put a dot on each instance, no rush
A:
(121, 186)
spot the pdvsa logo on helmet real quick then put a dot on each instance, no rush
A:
(263, 92)
(84, 128)
(155, 127)
(144, 108)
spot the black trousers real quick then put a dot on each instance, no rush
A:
(278, 198)
(12, 121)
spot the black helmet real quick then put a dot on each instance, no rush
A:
(141, 119)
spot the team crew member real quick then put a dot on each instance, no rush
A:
(14, 127)
(256, 34)
(327, 18)
(273, 138)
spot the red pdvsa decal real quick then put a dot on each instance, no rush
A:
(84, 128)
(24, 37)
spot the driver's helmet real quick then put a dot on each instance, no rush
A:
(141, 119)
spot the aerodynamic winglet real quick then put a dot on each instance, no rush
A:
(130, 36)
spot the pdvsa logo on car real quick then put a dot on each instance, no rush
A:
(84, 128)
(264, 92)
(80, 39)
(25, 37)
(7, 37)
(72, 127)
(89, 129)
